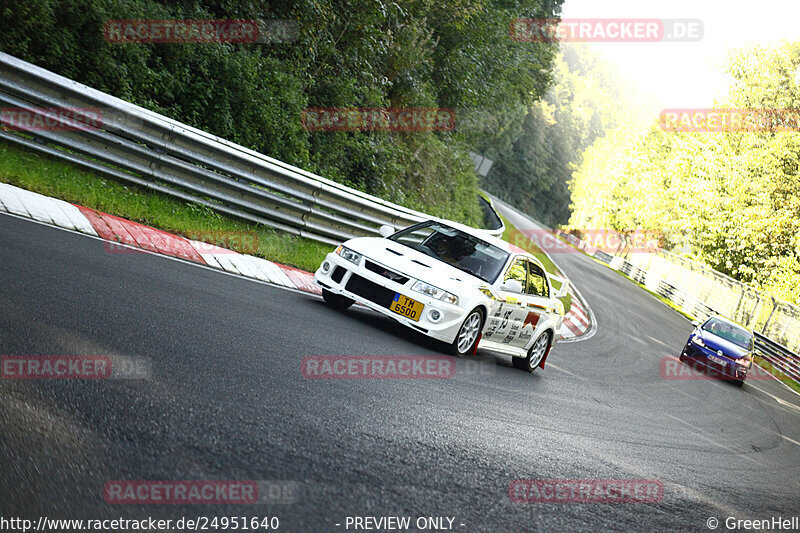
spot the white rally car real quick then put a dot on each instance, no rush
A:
(453, 283)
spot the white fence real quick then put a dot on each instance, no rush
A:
(701, 291)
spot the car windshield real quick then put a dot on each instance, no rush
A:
(730, 332)
(461, 250)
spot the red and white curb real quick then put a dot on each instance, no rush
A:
(119, 231)
(578, 323)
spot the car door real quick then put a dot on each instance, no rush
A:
(537, 303)
(505, 323)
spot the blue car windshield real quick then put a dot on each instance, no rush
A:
(457, 248)
(730, 332)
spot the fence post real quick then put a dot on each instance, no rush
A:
(739, 303)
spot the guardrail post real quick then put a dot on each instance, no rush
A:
(774, 307)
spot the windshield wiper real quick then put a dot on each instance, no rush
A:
(468, 271)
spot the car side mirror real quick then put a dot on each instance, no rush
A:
(695, 323)
(386, 230)
(512, 285)
(564, 290)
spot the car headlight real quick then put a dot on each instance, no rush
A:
(698, 341)
(350, 255)
(744, 361)
(434, 292)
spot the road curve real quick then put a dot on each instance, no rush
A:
(225, 400)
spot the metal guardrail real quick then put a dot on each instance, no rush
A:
(672, 278)
(138, 146)
(778, 356)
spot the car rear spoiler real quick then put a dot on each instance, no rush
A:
(563, 284)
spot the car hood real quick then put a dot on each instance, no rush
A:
(413, 263)
(716, 343)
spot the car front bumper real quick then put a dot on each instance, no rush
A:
(699, 355)
(376, 292)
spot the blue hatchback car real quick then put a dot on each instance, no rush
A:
(721, 346)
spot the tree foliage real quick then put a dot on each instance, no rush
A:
(347, 53)
(729, 199)
(534, 163)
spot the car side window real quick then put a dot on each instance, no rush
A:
(537, 282)
(517, 271)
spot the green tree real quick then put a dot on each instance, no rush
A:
(347, 53)
(730, 199)
(587, 99)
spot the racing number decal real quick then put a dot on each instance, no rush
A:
(505, 320)
(514, 329)
(498, 322)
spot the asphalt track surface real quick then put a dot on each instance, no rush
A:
(226, 401)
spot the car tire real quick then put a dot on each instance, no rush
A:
(468, 334)
(535, 355)
(336, 300)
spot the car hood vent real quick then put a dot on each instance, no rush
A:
(395, 252)
(420, 263)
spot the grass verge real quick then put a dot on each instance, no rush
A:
(51, 177)
(776, 372)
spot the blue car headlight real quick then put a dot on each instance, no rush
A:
(698, 340)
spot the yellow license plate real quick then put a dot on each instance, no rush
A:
(403, 305)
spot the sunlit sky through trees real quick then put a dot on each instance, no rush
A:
(689, 74)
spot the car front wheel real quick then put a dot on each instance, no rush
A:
(468, 334)
(535, 354)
